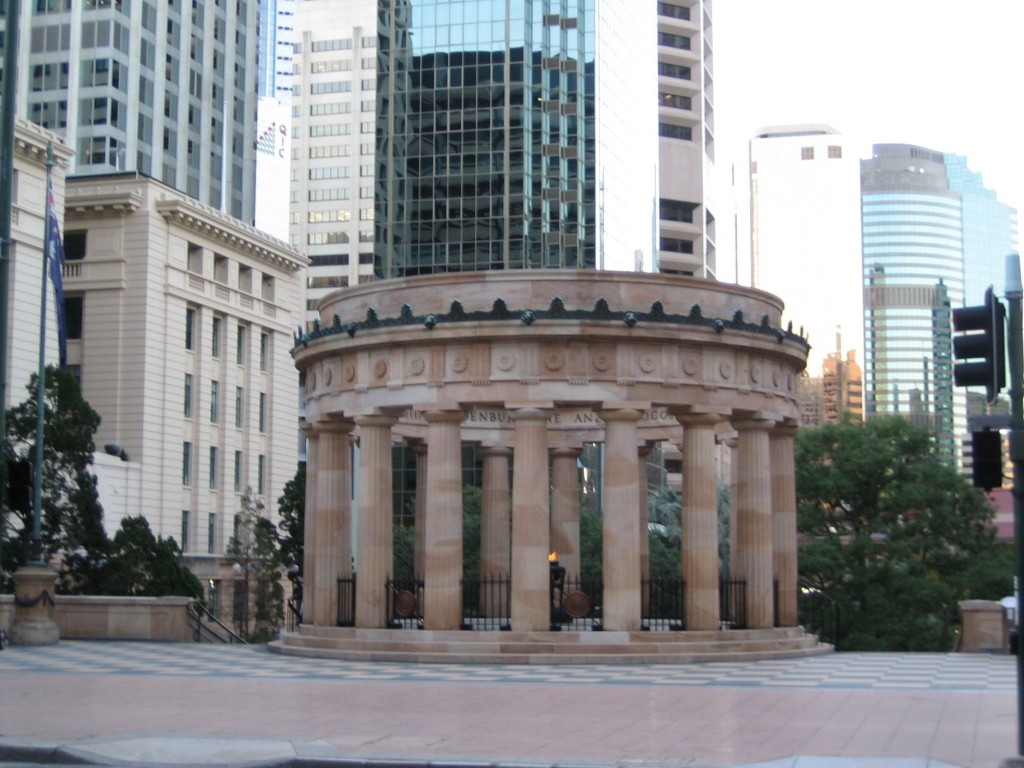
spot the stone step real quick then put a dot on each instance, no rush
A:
(547, 647)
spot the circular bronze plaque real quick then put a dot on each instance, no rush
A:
(405, 604)
(577, 605)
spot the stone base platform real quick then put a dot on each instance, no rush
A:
(455, 647)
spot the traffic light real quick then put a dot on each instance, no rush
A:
(987, 459)
(981, 345)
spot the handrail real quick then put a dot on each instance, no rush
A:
(294, 613)
(202, 631)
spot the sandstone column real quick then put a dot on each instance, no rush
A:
(332, 542)
(374, 555)
(699, 532)
(312, 520)
(784, 522)
(620, 552)
(754, 520)
(531, 519)
(442, 534)
(565, 509)
(494, 514)
(495, 535)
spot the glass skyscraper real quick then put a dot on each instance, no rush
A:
(514, 134)
(932, 236)
(167, 89)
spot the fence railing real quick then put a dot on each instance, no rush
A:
(347, 601)
(732, 609)
(485, 603)
(575, 604)
(664, 607)
(818, 614)
(207, 628)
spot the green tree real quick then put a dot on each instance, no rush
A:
(255, 548)
(893, 534)
(141, 564)
(291, 508)
(72, 519)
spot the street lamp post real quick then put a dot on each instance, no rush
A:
(1015, 360)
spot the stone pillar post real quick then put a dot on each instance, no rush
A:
(442, 534)
(332, 530)
(565, 509)
(754, 520)
(495, 533)
(620, 552)
(33, 624)
(699, 532)
(531, 520)
(374, 546)
(784, 547)
(312, 519)
(420, 512)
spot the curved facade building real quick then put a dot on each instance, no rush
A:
(932, 238)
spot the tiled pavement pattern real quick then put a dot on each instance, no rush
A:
(161, 704)
(948, 672)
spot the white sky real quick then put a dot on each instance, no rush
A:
(945, 75)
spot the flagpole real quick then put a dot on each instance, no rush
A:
(37, 468)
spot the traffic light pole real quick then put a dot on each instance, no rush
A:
(1015, 358)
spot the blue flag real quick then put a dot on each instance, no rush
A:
(55, 259)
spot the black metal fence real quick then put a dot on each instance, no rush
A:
(664, 607)
(485, 603)
(347, 602)
(404, 603)
(818, 614)
(732, 607)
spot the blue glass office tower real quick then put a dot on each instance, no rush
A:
(933, 238)
(515, 134)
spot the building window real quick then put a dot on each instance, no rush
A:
(211, 534)
(673, 11)
(213, 466)
(263, 411)
(677, 71)
(214, 392)
(188, 396)
(75, 245)
(835, 152)
(215, 342)
(676, 210)
(190, 328)
(186, 463)
(240, 346)
(239, 404)
(261, 466)
(676, 245)
(264, 350)
(74, 307)
(670, 131)
(184, 529)
(807, 153)
(238, 471)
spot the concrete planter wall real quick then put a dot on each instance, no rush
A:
(114, 618)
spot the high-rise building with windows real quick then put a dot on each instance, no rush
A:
(167, 89)
(930, 229)
(333, 119)
(805, 232)
(507, 136)
(686, 138)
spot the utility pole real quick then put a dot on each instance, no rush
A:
(1015, 358)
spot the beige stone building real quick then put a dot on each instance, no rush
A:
(530, 366)
(28, 217)
(180, 323)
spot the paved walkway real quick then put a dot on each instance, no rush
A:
(175, 704)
